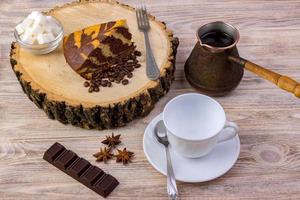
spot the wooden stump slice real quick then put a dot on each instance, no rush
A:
(54, 87)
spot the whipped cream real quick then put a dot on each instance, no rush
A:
(37, 28)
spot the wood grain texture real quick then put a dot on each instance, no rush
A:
(269, 118)
(54, 87)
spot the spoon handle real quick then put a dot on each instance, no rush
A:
(171, 181)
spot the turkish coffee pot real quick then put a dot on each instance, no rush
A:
(215, 67)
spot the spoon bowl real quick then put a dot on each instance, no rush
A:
(161, 133)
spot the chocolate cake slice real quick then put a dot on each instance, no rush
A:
(98, 47)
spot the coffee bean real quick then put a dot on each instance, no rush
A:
(122, 75)
(130, 69)
(119, 79)
(137, 53)
(115, 75)
(132, 57)
(137, 66)
(130, 63)
(96, 89)
(86, 84)
(125, 82)
(91, 89)
(129, 75)
(104, 83)
(109, 84)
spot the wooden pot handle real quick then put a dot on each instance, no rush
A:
(283, 82)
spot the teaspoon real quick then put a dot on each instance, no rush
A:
(161, 136)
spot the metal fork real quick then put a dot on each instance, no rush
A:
(152, 70)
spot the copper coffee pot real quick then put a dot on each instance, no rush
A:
(218, 69)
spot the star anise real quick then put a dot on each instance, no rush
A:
(103, 155)
(112, 141)
(124, 156)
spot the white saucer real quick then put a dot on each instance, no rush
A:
(206, 168)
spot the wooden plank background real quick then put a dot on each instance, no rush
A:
(269, 119)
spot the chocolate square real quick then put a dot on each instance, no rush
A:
(78, 167)
(91, 175)
(65, 159)
(106, 185)
(53, 152)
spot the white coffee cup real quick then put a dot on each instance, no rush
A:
(195, 124)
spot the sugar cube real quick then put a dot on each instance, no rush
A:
(27, 22)
(45, 38)
(28, 37)
(20, 28)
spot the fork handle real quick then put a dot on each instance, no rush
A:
(152, 70)
(171, 181)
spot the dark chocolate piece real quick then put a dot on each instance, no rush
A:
(91, 176)
(52, 153)
(80, 169)
(64, 160)
(103, 184)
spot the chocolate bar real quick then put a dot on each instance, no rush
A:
(80, 169)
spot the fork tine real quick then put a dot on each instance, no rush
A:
(142, 17)
(145, 16)
(138, 16)
(143, 22)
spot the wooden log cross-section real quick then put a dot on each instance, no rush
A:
(54, 87)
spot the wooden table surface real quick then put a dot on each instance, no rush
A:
(269, 163)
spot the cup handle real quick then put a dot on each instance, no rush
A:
(229, 131)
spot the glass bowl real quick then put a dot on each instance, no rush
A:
(40, 49)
